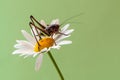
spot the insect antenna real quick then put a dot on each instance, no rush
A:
(71, 18)
(33, 19)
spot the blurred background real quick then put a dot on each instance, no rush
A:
(94, 54)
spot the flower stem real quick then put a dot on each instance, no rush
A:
(56, 66)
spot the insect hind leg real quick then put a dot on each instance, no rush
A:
(62, 33)
(33, 19)
(35, 35)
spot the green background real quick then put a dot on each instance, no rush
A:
(94, 54)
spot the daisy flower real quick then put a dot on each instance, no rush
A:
(30, 47)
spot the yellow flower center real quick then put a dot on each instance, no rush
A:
(44, 43)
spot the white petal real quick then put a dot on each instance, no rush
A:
(34, 29)
(17, 45)
(56, 21)
(23, 44)
(48, 49)
(35, 54)
(61, 37)
(36, 33)
(23, 51)
(67, 32)
(28, 37)
(56, 47)
(38, 61)
(43, 50)
(43, 23)
(23, 47)
(64, 42)
(26, 56)
(16, 52)
(65, 28)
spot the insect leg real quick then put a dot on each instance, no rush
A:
(34, 34)
(33, 19)
(62, 33)
(35, 29)
(44, 31)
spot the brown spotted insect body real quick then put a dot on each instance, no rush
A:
(48, 30)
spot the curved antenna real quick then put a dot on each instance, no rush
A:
(71, 18)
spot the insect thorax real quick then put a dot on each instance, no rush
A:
(52, 28)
